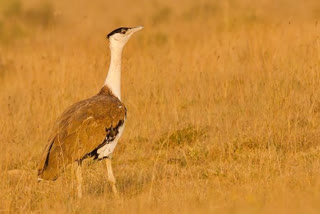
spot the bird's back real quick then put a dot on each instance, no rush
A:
(80, 130)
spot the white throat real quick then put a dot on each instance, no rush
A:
(113, 80)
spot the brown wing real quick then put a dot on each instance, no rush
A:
(79, 130)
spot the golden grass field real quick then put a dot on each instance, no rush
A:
(223, 103)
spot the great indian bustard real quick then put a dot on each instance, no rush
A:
(91, 127)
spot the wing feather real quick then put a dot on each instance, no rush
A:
(78, 131)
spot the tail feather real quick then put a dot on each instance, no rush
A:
(49, 166)
(49, 173)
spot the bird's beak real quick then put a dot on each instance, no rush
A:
(135, 29)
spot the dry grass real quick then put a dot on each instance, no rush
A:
(223, 105)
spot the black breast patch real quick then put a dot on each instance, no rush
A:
(112, 133)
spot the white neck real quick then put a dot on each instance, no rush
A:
(113, 80)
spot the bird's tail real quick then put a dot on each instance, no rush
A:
(49, 173)
(49, 166)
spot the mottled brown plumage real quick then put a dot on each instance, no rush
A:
(80, 130)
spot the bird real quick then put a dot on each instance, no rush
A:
(92, 127)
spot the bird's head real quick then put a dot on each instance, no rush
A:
(120, 36)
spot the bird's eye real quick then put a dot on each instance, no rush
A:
(123, 31)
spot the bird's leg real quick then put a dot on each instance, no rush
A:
(79, 180)
(111, 178)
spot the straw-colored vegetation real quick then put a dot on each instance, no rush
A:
(223, 104)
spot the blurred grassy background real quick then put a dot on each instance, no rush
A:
(222, 96)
